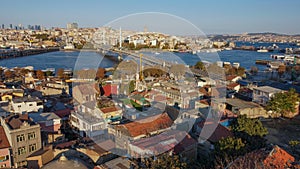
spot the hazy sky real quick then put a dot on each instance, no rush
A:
(211, 16)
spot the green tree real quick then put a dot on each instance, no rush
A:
(283, 103)
(200, 65)
(131, 86)
(49, 73)
(252, 127)
(165, 161)
(230, 146)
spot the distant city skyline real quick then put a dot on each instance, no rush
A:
(220, 17)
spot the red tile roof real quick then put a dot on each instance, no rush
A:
(232, 85)
(147, 125)
(277, 158)
(230, 77)
(3, 139)
(63, 113)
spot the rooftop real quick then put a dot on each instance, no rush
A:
(272, 158)
(39, 117)
(16, 121)
(241, 104)
(110, 109)
(26, 99)
(218, 133)
(267, 89)
(147, 125)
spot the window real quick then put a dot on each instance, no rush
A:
(30, 104)
(31, 135)
(19, 106)
(32, 147)
(20, 138)
(21, 150)
(4, 158)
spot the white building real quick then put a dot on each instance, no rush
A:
(87, 121)
(72, 26)
(263, 94)
(27, 104)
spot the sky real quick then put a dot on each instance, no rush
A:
(210, 16)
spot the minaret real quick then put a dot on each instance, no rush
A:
(120, 40)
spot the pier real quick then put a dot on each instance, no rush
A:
(8, 54)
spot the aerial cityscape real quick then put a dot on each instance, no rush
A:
(114, 85)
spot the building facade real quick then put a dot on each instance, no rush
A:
(24, 137)
(263, 94)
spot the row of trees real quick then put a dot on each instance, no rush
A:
(90, 73)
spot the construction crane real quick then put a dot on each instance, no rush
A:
(30, 40)
(141, 68)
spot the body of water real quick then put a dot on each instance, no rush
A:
(67, 60)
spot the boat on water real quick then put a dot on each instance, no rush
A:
(4, 47)
(262, 50)
(157, 53)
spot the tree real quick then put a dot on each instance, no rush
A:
(199, 65)
(100, 73)
(131, 86)
(240, 71)
(40, 74)
(165, 161)
(230, 146)
(8, 74)
(284, 104)
(156, 72)
(49, 73)
(252, 127)
(60, 73)
(251, 131)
